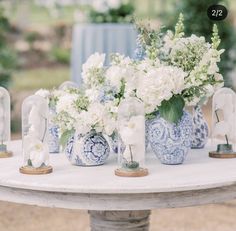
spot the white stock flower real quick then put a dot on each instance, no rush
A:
(114, 75)
(95, 60)
(92, 94)
(66, 104)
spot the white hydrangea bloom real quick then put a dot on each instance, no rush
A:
(160, 84)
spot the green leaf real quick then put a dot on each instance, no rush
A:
(172, 109)
(66, 136)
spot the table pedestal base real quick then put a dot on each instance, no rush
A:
(119, 220)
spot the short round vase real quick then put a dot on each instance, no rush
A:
(53, 133)
(200, 129)
(91, 149)
(171, 142)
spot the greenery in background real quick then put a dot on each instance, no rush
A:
(39, 78)
(7, 56)
(119, 15)
(197, 22)
(61, 55)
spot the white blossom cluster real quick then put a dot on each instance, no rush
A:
(148, 80)
(199, 60)
(193, 54)
(185, 69)
(158, 84)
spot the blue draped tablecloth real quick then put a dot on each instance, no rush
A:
(103, 38)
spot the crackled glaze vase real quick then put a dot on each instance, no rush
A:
(91, 149)
(171, 142)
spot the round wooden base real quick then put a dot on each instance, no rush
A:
(6, 154)
(136, 173)
(222, 155)
(35, 171)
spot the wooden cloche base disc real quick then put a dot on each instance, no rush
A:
(6, 154)
(35, 171)
(222, 155)
(125, 173)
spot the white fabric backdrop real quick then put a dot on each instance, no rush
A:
(102, 38)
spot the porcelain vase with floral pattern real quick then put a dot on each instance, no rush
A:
(200, 128)
(91, 149)
(53, 133)
(169, 141)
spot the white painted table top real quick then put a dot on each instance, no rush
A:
(198, 172)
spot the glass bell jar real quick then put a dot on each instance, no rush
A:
(4, 122)
(68, 85)
(34, 136)
(131, 146)
(223, 123)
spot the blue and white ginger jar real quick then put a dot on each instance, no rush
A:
(91, 149)
(53, 133)
(171, 142)
(200, 128)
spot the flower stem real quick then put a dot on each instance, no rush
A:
(131, 154)
(218, 120)
(45, 130)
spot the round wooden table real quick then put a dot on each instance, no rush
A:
(117, 203)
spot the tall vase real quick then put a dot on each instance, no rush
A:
(171, 142)
(200, 128)
(91, 149)
(53, 134)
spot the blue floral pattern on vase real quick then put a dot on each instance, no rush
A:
(53, 133)
(200, 129)
(171, 142)
(91, 149)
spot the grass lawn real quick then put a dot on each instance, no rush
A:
(39, 78)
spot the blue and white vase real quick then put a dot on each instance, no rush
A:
(171, 142)
(91, 149)
(53, 133)
(200, 128)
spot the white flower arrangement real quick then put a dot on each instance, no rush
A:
(198, 58)
(176, 70)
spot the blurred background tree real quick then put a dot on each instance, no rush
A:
(197, 22)
(7, 56)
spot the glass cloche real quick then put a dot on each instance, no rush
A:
(4, 122)
(223, 123)
(131, 129)
(34, 136)
(68, 85)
